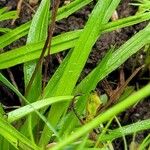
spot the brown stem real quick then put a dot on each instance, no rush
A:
(19, 5)
(46, 45)
(117, 93)
(55, 7)
(14, 82)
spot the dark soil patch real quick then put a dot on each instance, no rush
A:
(115, 38)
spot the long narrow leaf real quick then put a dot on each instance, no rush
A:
(126, 130)
(105, 67)
(10, 86)
(23, 55)
(5, 14)
(21, 31)
(14, 137)
(37, 33)
(32, 51)
(128, 102)
(14, 35)
(78, 58)
(23, 111)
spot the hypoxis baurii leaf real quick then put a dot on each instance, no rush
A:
(37, 33)
(67, 81)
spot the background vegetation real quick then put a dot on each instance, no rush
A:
(66, 113)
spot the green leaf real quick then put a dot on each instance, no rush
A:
(14, 137)
(4, 144)
(103, 117)
(33, 51)
(28, 109)
(4, 15)
(145, 142)
(8, 84)
(99, 16)
(67, 10)
(5, 30)
(14, 35)
(22, 54)
(21, 31)
(109, 63)
(126, 130)
(37, 33)
(118, 57)
(125, 22)
(3, 10)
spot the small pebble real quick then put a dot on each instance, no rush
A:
(33, 2)
(114, 16)
(67, 2)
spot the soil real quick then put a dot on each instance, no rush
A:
(115, 38)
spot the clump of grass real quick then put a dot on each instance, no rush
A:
(59, 126)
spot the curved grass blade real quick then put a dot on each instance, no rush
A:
(21, 31)
(5, 30)
(25, 110)
(78, 58)
(109, 63)
(145, 142)
(10, 86)
(5, 15)
(14, 137)
(113, 111)
(32, 51)
(126, 130)
(23, 55)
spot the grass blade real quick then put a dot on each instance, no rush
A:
(134, 98)
(14, 35)
(10, 86)
(21, 31)
(106, 66)
(37, 33)
(25, 110)
(78, 59)
(4, 15)
(5, 30)
(126, 130)
(32, 51)
(14, 137)
(23, 55)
